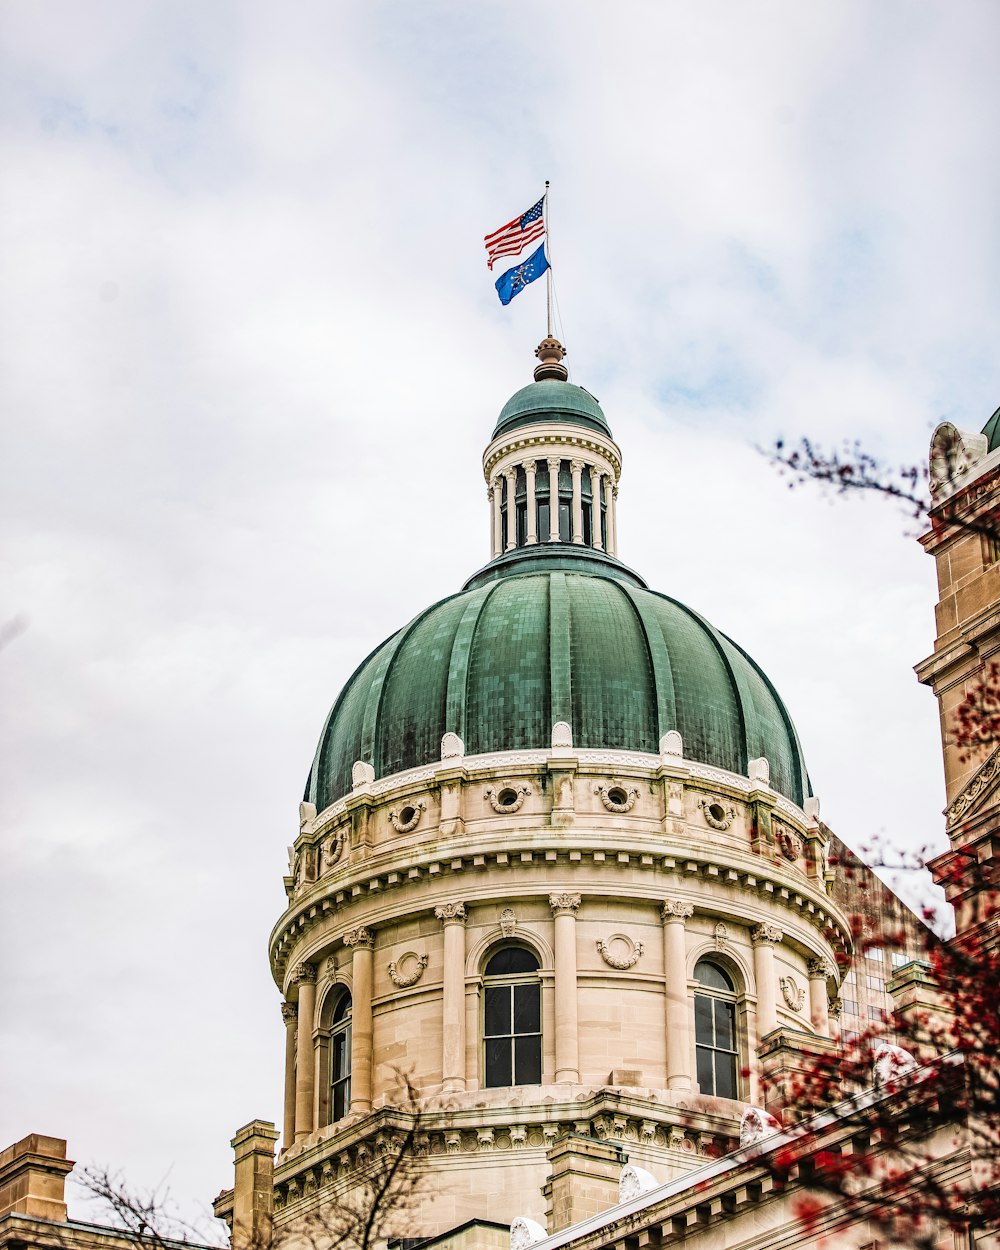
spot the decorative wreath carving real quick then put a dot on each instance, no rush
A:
(333, 850)
(497, 796)
(401, 825)
(792, 994)
(608, 795)
(717, 815)
(622, 964)
(405, 980)
(789, 843)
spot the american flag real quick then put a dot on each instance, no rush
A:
(515, 236)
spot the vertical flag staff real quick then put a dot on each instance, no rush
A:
(548, 273)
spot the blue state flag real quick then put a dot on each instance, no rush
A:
(515, 280)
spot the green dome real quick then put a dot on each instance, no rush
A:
(992, 431)
(551, 401)
(502, 661)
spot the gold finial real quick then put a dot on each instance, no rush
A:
(550, 353)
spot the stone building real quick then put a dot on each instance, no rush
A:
(559, 863)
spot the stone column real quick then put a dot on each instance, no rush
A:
(612, 518)
(452, 916)
(564, 907)
(304, 976)
(576, 468)
(289, 1012)
(531, 536)
(595, 508)
(819, 1003)
(511, 476)
(495, 496)
(554, 499)
(764, 938)
(673, 913)
(362, 943)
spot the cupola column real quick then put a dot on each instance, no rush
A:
(531, 536)
(674, 913)
(511, 476)
(612, 505)
(289, 1013)
(765, 937)
(452, 916)
(496, 500)
(595, 509)
(361, 942)
(554, 464)
(304, 976)
(819, 1004)
(564, 908)
(576, 468)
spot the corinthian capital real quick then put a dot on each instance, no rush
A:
(451, 913)
(564, 904)
(821, 968)
(766, 934)
(362, 937)
(673, 908)
(289, 1012)
(303, 973)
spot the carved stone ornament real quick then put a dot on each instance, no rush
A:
(757, 1124)
(451, 913)
(634, 1182)
(289, 1012)
(405, 980)
(789, 843)
(452, 746)
(302, 973)
(562, 904)
(675, 908)
(616, 797)
(360, 937)
(793, 995)
(525, 1233)
(953, 452)
(769, 933)
(562, 736)
(362, 774)
(412, 813)
(891, 1064)
(721, 935)
(980, 783)
(672, 744)
(821, 968)
(717, 814)
(836, 1007)
(333, 849)
(621, 962)
(508, 922)
(507, 799)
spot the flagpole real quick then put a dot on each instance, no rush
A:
(548, 275)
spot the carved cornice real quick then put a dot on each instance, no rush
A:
(766, 935)
(451, 913)
(303, 974)
(564, 904)
(676, 909)
(361, 938)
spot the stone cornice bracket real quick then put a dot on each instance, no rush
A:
(766, 934)
(360, 937)
(675, 909)
(622, 963)
(564, 904)
(289, 1012)
(404, 981)
(451, 913)
(822, 968)
(302, 973)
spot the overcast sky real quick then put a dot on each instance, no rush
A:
(251, 354)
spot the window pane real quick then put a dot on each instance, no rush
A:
(711, 976)
(564, 524)
(527, 1009)
(703, 1031)
(498, 1061)
(528, 1051)
(497, 1013)
(725, 1075)
(543, 522)
(511, 960)
(706, 1081)
(725, 1030)
(338, 1065)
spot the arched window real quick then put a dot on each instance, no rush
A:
(715, 1030)
(512, 1019)
(340, 1058)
